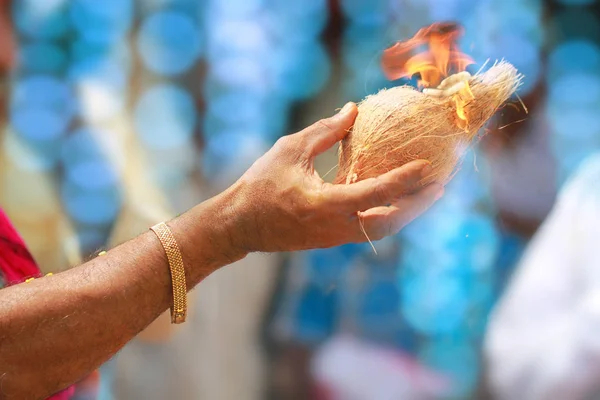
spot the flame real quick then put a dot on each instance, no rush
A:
(443, 57)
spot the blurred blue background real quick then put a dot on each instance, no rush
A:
(199, 89)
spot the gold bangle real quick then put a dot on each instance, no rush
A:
(179, 308)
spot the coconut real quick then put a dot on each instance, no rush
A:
(398, 125)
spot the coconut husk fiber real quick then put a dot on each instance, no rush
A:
(398, 125)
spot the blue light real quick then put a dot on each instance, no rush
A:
(229, 154)
(576, 23)
(43, 92)
(101, 84)
(38, 124)
(326, 266)
(451, 10)
(479, 238)
(104, 21)
(577, 124)
(85, 145)
(32, 156)
(165, 117)
(363, 48)
(99, 70)
(40, 57)
(301, 72)
(576, 2)
(41, 19)
(297, 22)
(175, 167)
(237, 106)
(267, 117)
(438, 225)
(439, 257)
(119, 53)
(523, 54)
(92, 207)
(574, 56)
(239, 38)
(237, 7)
(570, 161)
(469, 185)
(169, 42)
(92, 239)
(380, 302)
(296, 8)
(236, 72)
(315, 314)
(520, 17)
(93, 175)
(434, 303)
(575, 90)
(457, 360)
(366, 12)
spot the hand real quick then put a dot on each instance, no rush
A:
(282, 204)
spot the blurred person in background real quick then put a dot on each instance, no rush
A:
(543, 340)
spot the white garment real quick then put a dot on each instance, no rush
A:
(544, 337)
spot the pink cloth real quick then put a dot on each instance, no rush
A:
(16, 265)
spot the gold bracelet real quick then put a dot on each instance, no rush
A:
(179, 308)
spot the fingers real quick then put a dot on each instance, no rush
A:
(380, 191)
(323, 134)
(380, 222)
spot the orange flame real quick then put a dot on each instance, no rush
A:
(443, 57)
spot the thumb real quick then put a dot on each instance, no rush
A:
(323, 134)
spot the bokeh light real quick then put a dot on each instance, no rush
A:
(434, 311)
(42, 57)
(228, 154)
(524, 54)
(576, 23)
(100, 84)
(38, 123)
(301, 72)
(239, 37)
(575, 90)
(577, 124)
(105, 21)
(315, 314)
(91, 206)
(88, 144)
(31, 156)
(366, 12)
(165, 117)
(41, 19)
(169, 42)
(576, 2)
(238, 72)
(296, 21)
(457, 360)
(237, 8)
(573, 56)
(44, 92)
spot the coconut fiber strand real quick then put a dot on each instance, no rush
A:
(402, 124)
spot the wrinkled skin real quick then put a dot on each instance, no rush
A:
(284, 205)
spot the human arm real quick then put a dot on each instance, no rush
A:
(55, 330)
(542, 342)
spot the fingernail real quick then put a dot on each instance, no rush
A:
(347, 108)
(426, 170)
(439, 193)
